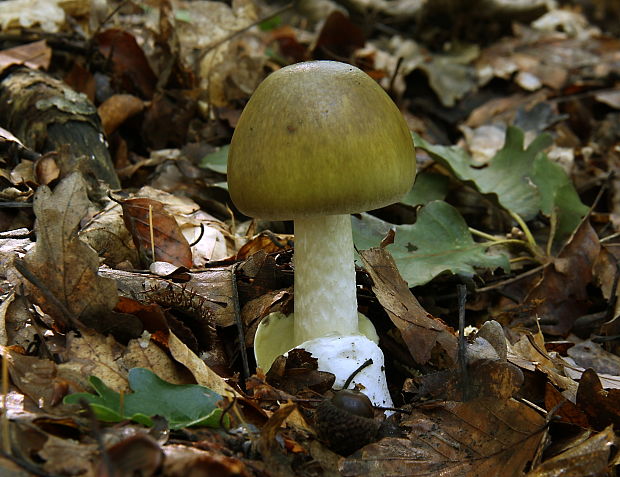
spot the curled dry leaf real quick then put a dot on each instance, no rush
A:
(422, 333)
(153, 229)
(601, 406)
(589, 457)
(115, 110)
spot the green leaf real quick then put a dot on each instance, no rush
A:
(271, 23)
(558, 195)
(182, 405)
(507, 176)
(368, 230)
(437, 243)
(216, 161)
(428, 186)
(522, 180)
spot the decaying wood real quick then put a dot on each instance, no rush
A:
(47, 115)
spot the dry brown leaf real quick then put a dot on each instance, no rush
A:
(155, 233)
(473, 439)
(601, 406)
(93, 354)
(106, 233)
(590, 457)
(265, 241)
(128, 62)
(298, 372)
(565, 410)
(115, 110)
(183, 461)
(64, 265)
(37, 378)
(277, 462)
(147, 354)
(139, 454)
(204, 375)
(562, 294)
(67, 456)
(529, 354)
(35, 55)
(425, 336)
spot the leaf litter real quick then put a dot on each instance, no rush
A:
(511, 211)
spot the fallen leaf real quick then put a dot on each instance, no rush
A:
(590, 457)
(298, 371)
(154, 229)
(181, 460)
(182, 405)
(129, 64)
(566, 410)
(115, 110)
(204, 375)
(562, 295)
(601, 406)
(65, 267)
(137, 454)
(91, 353)
(37, 378)
(454, 439)
(35, 55)
(67, 456)
(426, 337)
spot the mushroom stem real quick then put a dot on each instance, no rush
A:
(325, 295)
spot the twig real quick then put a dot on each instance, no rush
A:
(239, 323)
(6, 435)
(461, 291)
(512, 280)
(229, 37)
(22, 268)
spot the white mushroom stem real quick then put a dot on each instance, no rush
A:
(325, 296)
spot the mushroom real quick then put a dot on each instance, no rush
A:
(316, 142)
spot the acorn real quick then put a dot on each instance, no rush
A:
(345, 422)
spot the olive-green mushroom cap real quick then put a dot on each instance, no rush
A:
(319, 138)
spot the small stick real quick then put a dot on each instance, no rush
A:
(6, 437)
(242, 350)
(462, 297)
(153, 259)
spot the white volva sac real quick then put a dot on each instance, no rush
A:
(342, 355)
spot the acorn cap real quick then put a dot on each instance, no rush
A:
(319, 138)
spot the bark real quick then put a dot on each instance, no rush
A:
(47, 115)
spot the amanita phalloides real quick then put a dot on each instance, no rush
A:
(316, 142)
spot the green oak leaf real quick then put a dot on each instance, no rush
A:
(183, 405)
(428, 186)
(439, 242)
(521, 179)
(558, 195)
